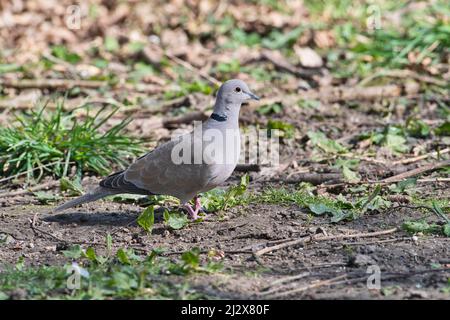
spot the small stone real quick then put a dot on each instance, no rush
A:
(196, 239)
(61, 246)
(18, 247)
(360, 260)
(418, 294)
(6, 238)
(412, 87)
(18, 294)
(370, 248)
(312, 230)
(322, 231)
(308, 57)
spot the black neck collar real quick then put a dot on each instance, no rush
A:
(218, 117)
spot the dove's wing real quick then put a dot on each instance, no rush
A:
(160, 172)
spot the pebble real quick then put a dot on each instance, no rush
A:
(18, 294)
(360, 260)
(418, 294)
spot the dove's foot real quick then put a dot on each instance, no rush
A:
(198, 204)
(192, 213)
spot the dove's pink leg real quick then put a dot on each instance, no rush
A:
(193, 213)
(198, 204)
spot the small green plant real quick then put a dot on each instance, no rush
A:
(175, 220)
(48, 142)
(318, 139)
(417, 128)
(45, 197)
(189, 87)
(287, 130)
(349, 169)
(61, 52)
(278, 39)
(228, 68)
(239, 37)
(270, 109)
(111, 44)
(9, 67)
(140, 70)
(219, 199)
(191, 263)
(72, 187)
(392, 137)
(339, 209)
(420, 226)
(443, 129)
(123, 275)
(147, 219)
(309, 104)
(404, 186)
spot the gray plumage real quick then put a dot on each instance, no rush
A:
(157, 173)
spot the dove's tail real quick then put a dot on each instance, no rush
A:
(95, 194)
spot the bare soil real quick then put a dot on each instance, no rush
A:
(406, 263)
(310, 98)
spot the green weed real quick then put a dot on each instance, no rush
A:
(339, 208)
(125, 275)
(49, 142)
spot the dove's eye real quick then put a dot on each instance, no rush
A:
(237, 89)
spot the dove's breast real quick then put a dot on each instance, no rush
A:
(224, 161)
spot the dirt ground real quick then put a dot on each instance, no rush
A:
(381, 110)
(405, 262)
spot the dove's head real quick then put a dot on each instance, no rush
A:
(235, 92)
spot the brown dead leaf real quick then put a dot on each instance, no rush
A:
(175, 41)
(324, 39)
(308, 57)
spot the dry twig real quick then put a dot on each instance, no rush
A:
(404, 74)
(248, 168)
(313, 178)
(417, 171)
(38, 187)
(323, 238)
(312, 285)
(422, 157)
(67, 84)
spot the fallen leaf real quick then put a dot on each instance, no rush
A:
(308, 57)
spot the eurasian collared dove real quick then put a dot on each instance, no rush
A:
(187, 165)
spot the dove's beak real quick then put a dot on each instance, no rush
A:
(252, 95)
